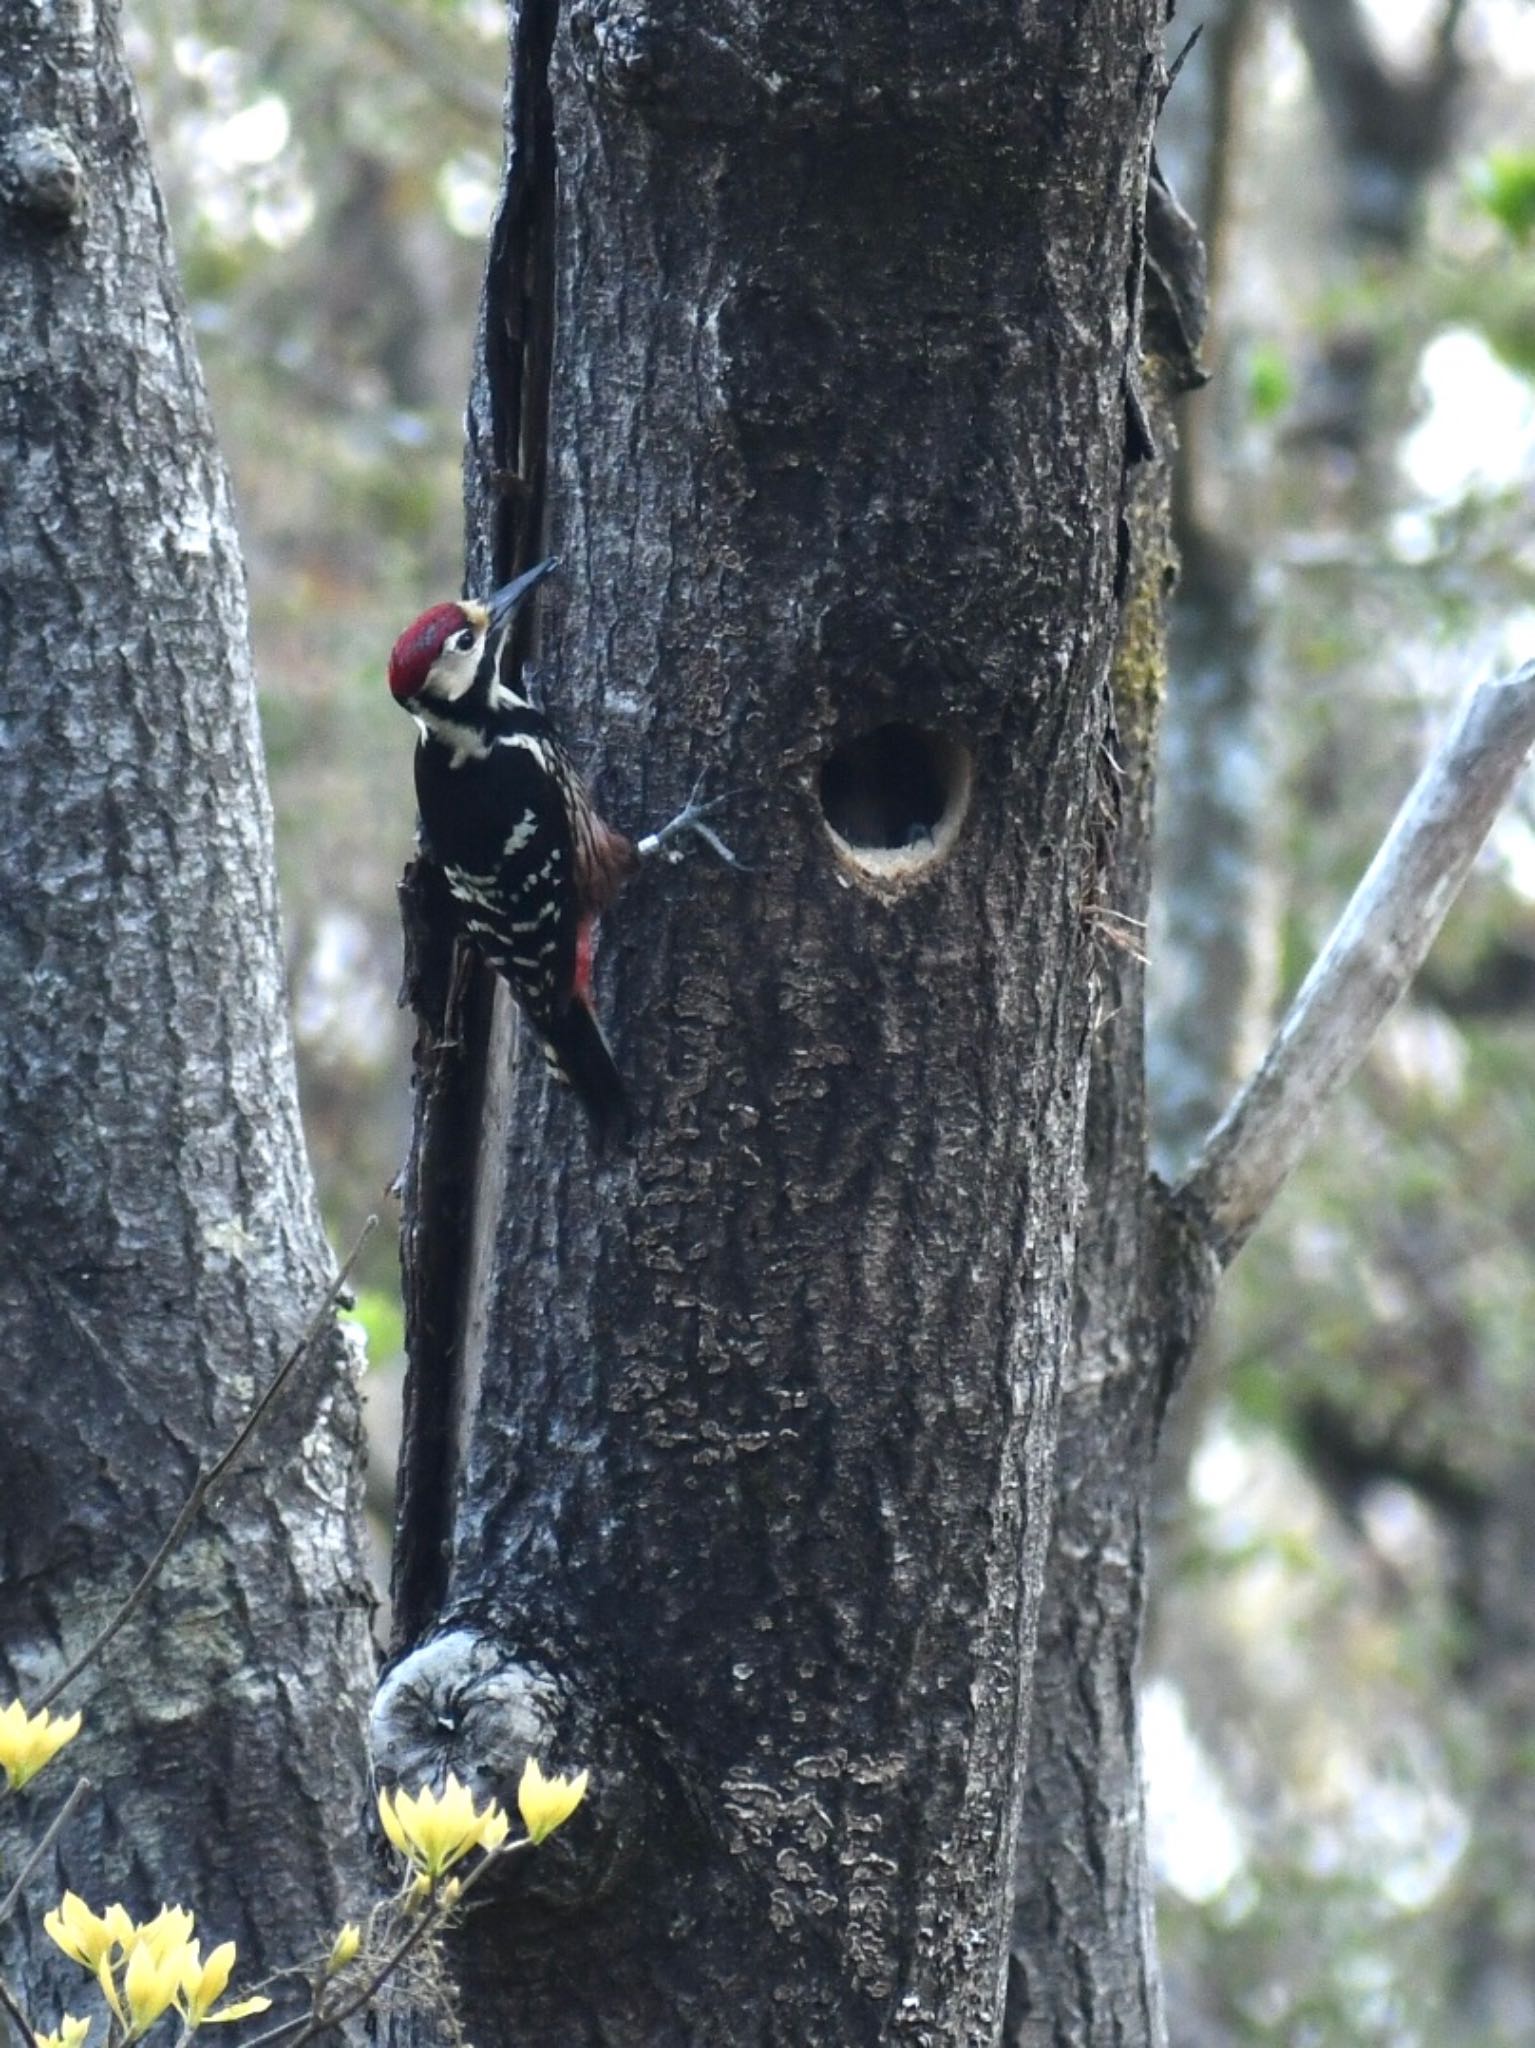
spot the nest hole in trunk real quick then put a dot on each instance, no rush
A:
(894, 800)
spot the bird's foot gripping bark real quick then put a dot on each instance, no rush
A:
(689, 819)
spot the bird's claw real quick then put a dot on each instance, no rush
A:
(691, 819)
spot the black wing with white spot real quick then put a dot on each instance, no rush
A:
(502, 834)
(497, 814)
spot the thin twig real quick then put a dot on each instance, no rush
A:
(299, 2032)
(1376, 948)
(432, 1919)
(1180, 60)
(51, 1834)
(210, 1479)
(18, 2018)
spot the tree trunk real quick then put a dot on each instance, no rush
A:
(1084, 1967)
(749, 1435)
(159, 1243)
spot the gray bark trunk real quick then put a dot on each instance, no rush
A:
(748, 1437)
(1084, 1968)
(159, 1244)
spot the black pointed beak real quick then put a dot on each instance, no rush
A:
(503, 602)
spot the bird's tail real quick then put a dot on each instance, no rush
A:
(578, 1055)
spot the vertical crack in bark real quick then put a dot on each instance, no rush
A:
(452, 1002)
(507, 462)
(506, 465)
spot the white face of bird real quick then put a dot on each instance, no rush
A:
(453, 671)
(439, 657)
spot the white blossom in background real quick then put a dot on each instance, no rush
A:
(1195, 1845)
(235, 150)
(466, 191)
(343, 1006)
(1479, 429)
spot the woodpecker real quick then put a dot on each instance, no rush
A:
(504, 812)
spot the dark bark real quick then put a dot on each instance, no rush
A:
(159, 1244)
(751, 1433)
(1083, 1963)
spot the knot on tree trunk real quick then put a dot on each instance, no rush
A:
(633, 55)
(465, 1703)
(42, 177)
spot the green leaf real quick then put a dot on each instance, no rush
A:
(1268, 381)
(382, 1322)
(1504, 186)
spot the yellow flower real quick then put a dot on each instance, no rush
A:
(170, 1929)
(84, 1936)
(71, 2034)
(204, 1982)
(151, 1979)
(343, 1949)
(432, 1831)
(28, 1741)
(547, 1803)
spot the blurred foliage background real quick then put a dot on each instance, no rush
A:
(1340, 1702)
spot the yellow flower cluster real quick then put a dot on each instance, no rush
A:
(433, 1831)
(144, 1970)
(28, 1741)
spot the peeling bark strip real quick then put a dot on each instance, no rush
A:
(159, 1243)
(755, 1488)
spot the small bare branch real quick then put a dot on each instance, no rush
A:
(429, 1919)
(212, 1476)
(51, 1834)
(14, 2013)
(1375, 950)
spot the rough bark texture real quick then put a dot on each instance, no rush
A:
(755, 1450)
(159, 1245)
(1084, 1967)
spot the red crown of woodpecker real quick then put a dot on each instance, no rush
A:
(419, 646)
